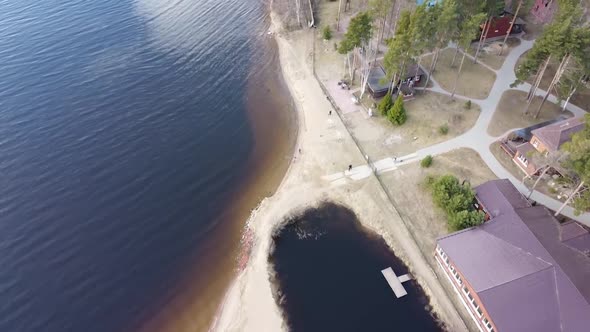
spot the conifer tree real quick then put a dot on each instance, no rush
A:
(397, 114)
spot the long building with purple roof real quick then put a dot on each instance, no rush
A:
(521, 270)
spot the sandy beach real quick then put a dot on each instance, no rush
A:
(318, 172)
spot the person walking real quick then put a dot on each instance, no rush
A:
(349, 168)
(330, 113)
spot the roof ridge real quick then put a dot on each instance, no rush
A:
(556, 266)
(515, 279)
(549, 264)
(557, 299)
(531, 232)
(456, 233)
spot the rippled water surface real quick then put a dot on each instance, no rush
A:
(123, 132)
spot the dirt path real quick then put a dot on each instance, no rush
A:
(326, 148)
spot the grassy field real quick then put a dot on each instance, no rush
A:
(427, 113)
(491, 50)
(476, 81)
(509, 113)
(414, 201)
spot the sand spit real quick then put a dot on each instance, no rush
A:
(326, 148)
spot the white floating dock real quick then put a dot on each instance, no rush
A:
(404, 278)
(395, 282)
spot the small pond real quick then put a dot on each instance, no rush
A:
(328, 277)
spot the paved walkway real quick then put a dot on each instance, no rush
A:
(477, 138)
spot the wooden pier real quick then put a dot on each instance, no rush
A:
(395, 282)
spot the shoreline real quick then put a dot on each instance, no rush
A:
(327, 150)
(231, 299)
(232, 291)
(270, 114)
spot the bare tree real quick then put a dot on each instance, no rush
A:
(338, 20)
(551, 160)
(570, 197)
(560, 70)
(483, 37)
(520, 2)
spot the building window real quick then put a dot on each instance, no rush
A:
(523, 159)
(456, 276)
(479, 312)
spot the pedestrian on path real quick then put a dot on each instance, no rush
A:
(349, 168)
(330, 113)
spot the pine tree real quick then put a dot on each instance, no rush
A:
(469, 28)
(565, 39)
(379, 10)
(398, 52)
(397, 113)
(385, 104)
(447, 18)
(357, 36)
(423, 32)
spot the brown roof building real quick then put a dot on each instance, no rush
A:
(517, 272)
(546, 139)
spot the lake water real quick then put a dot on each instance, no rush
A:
(328, 276)
(135, 136)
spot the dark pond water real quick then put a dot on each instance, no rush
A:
(328, 274)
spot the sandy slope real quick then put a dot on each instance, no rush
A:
(326, 148)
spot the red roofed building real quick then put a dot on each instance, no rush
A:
(501, 24)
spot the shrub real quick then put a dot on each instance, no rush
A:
(385, 104)
(327, 32)
(397, 113)
(552, 190)
(468, 105)
(457, 201)
(465, 219)
(426, 162)
(450, 195)
(444, 129)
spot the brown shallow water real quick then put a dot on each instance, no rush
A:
(273, 121)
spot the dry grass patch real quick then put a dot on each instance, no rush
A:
(426, 114)
(582, 96)
(414, 201)
(509, 113)
(489, 53)
(476, 81)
